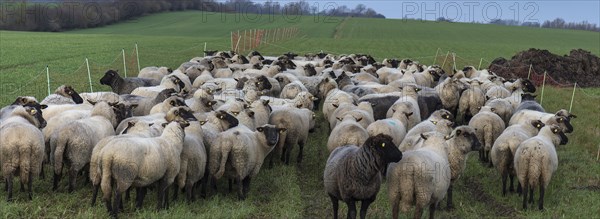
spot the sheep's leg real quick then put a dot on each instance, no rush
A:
(175, 192)
(108, 205)
(449, 204)
(140, 193)
(246, 185)
(531, 188)
(351, 209)
(541, 201)
(9, 187)
(504, 176)
(300, 152)
(127, 194)
(284, 151)
(431, 210)
(95, 194)
(117, 203)
(56, 180)
(72, 179)
(525, 188)
(160, 193)
(6, 185)
(519, 188)
(166, 198)
(335, 203)
(230, 182)
(22, 183)
(189, 192)
(418, 212)
(481, 155)
(240, 189)
(42, 175)
(511, 188)
(364, 206)
(29, 186)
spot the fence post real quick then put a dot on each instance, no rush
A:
(480, 61)
(454, 61)
(529, 73)
(137, 55)
(444, 63)
(543, 85)
(87, 63)
(237, 45)
(48, 78)
(204, 49)
(124, 64)
(436, 54)
(572, 97)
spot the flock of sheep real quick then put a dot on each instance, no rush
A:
(222, 115)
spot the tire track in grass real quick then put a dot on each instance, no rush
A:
(338, 29)
(475, 189)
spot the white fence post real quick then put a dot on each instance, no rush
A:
(87, 63)
(124, 65)
(543, 85)
(572, 97)
(137, 55)
(48, 78)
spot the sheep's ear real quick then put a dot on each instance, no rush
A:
(133, 106)
(408, 114)
(359, 119)
(448, 137)
(493, 109)
(570, 116)
(172, 103)
(203, 122)
(424, 136)
(164, 125)
(417, 89)
(44, 106)
(458, 132)
(434, 122)
(314, 98)
(218, 89)
(335, 105)
(150, 124)
(130, 123)
(266, 102)
(92, 102)
(282, 130)
(250, 113)
(339, 119)
(260, 129)
(523, 94)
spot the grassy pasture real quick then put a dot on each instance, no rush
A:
(296, 191)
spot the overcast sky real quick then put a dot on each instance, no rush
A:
(479, 11)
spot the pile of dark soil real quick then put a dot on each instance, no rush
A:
(579, 66)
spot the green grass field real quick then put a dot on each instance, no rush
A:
(297, 191)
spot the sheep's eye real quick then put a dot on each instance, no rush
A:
(234, 113)
(176, 113)
(538, 125)
(220, 117)
(382, 145)
(172, 103)
(33, 111)
(434, 122)
(560, 120)
(314, 115)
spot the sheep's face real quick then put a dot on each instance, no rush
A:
(467, 135)
(227, 118)
(528, 96)
(271, 133)
(73, 94)
(262, 83)
(179, 114)
(564, 123)
(310, 70)
(123, 111)
(565, 113)
(444, 114)
(177, 81)
(385, 147)
(558, 131)
(36, 112)
(109, 77)
(527, 85)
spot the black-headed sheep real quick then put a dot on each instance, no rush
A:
(122, 85)
(63, 95)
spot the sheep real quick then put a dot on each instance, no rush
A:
(450, 91)
(348, 131)
(380, 104)
(291, 90)
(422, 178)
(536, 161)
(462, 141)
(413, 141)
(396, 126)
(262, 111)
(19, 101)
(140, 162)
(298, 123)
(303, 100)
(63, 95)
(429, 77)
(145, 104)
(54, 110)
(561, 117)
(409, 94)
(170, 81)
(353, 172)
(157, 118)
(470, 102)
(528, 102)
(246, 150)
(134, 129)
(193, 160)
(167, 104)
(22, 146)
(185, 81)
(363, 110)
(488, 126)
(75, 141)
(121, 85)
(155, 73)
(505, 146)
(110, 97)
(503, 109)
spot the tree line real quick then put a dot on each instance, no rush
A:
(61, 15)
(557, 23)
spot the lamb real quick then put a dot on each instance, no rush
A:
(536, 161)
(298, 123)
(488, 127)
(470, 102)
(561, 118)
(145, 104)
(121, 85)
(505, 146)
(412, 181)
(22, 146)
(140, 162)
(75, 141)
(347, 132)
(63, 95)
(155, 73)
(246, 150)
(396, 126)
(462, 141)
(167, 104)
(353, 173)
